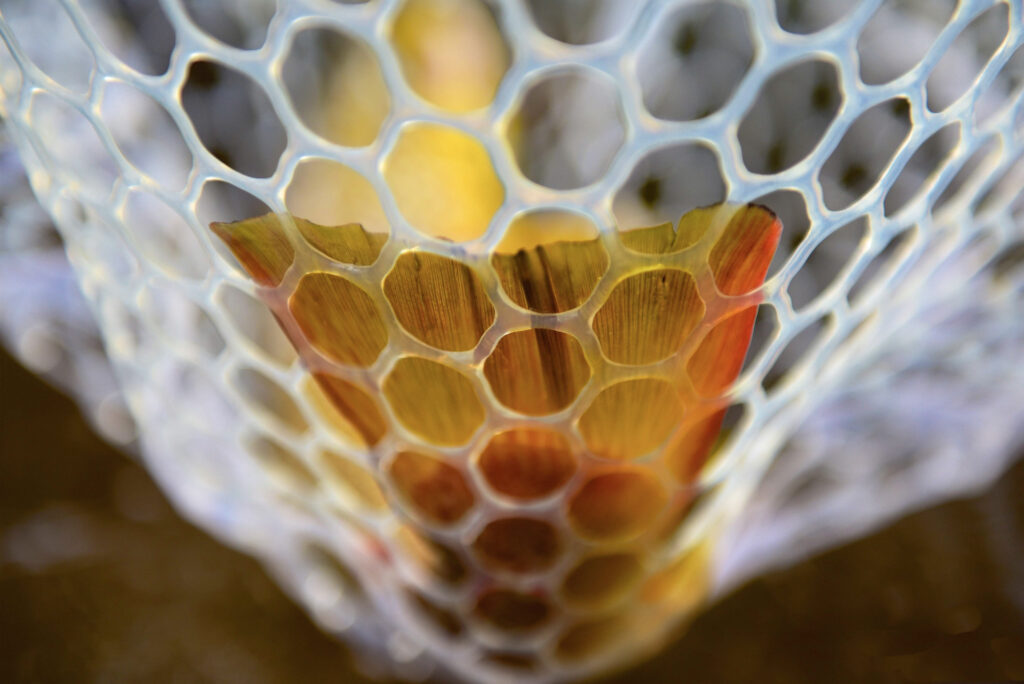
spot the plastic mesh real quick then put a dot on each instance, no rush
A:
(887, 136)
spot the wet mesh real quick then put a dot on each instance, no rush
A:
(375, 460)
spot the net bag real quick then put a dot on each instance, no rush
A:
(509, 334)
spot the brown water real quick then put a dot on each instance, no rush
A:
(100, 581)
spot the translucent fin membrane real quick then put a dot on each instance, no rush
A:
(656, 314)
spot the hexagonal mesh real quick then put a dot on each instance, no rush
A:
(442, 307)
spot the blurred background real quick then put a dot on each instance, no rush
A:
(100, 581)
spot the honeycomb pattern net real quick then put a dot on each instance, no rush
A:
(374, 457)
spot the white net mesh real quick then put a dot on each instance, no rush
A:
(883, 370)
